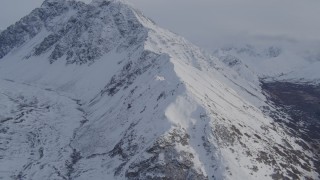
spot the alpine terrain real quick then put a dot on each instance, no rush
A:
(99, 91)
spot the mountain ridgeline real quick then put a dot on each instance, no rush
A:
(74, 30)
(99, 91)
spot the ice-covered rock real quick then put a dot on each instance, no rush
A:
(98, 91)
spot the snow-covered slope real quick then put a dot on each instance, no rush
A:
(280, 60)
(98, 91)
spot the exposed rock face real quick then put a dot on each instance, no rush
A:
(82, 34)
(98, 91)
(165, 161)
(301, 102)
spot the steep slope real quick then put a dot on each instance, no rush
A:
(35, 131)
(290, 80)
(143, 103)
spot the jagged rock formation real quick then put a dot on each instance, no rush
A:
(98, 91)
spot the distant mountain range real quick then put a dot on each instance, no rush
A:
(99, 91)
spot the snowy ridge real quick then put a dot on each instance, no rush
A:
(276, 60)
(142, 103)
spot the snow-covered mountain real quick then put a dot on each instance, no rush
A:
(280, 60)
(98, 91)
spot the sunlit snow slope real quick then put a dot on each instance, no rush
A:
(98, 91)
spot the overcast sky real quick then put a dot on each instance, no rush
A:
(207, 22)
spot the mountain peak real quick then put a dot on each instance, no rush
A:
(51, 3)
(77, 32)
(98, 91)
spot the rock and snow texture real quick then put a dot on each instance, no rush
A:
(36, 128)
(98, 91)
(272, 60)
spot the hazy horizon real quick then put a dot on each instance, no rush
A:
(209, 22)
